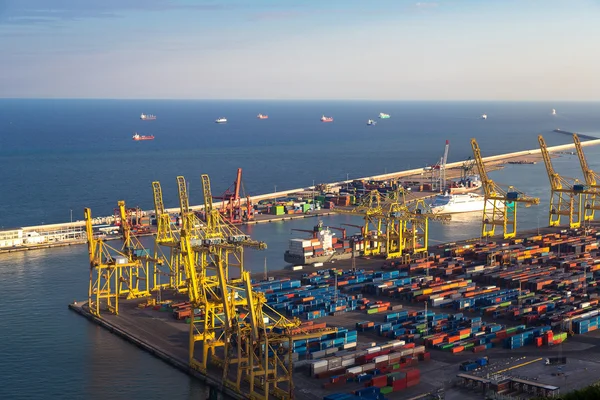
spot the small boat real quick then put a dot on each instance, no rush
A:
(138, 137)
(147, 117)
(371, 122)
(483, 116)
(553, 111)
(261, 116)
(384, 115)
(221, 120)
(326, 119)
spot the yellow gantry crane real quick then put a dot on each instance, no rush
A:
(217, 249)
(166, 247)
(591, 179)
(566, 194)
(393, 226)
(235, 329)
(134, 280)
(500, 208)
(106, 269)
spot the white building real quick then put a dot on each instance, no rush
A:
(11, 237)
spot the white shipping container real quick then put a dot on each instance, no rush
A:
(308, 253)
(368, 367)
(354, 370)
(406, 352)
(419, 349)
(331, 351)
(296, 267)
(398, 343)
(349, 357)
(317, 265)
(347, 363)
(319, 363)
(306, 243)
(350, 345)
(379, 359)
(373, 350)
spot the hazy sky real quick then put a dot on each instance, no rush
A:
(311, 49)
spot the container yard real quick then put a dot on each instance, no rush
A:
(425, 326)
(396, 318)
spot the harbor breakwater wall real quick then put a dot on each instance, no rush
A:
(497, 159)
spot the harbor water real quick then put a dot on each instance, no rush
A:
(80, 153)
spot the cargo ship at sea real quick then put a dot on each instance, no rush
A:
(326, 119)
(262, 116)
(221, 120)
(323, 246)
(147, 117)
(384, 115)
(138, 137)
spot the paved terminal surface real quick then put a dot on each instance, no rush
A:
(168, 338)
(160, 331)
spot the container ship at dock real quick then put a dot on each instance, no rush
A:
(323, 247)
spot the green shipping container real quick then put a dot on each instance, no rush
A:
(386, 390)
(277, 210)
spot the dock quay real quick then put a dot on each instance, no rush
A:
(72, 233)
(582, 136)
(473, 317)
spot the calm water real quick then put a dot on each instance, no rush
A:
(63, 155)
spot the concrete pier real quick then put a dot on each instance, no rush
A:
(453, 171)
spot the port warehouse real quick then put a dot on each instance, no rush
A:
(49, 234)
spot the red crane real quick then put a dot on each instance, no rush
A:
(231, 203)
(134, 219)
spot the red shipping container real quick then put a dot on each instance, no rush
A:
(399, 385)
(379, 381)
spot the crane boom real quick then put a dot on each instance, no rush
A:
(500, 207)
(208, 201)
(555, 180)
(444, 165)
(591, 179)
(184, 203)
(89, 230)
(124, 226)
(566, 195)
(238, 183)
(487, 183)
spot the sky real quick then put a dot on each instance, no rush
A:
(310, 49)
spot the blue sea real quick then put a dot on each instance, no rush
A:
(63, 155)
